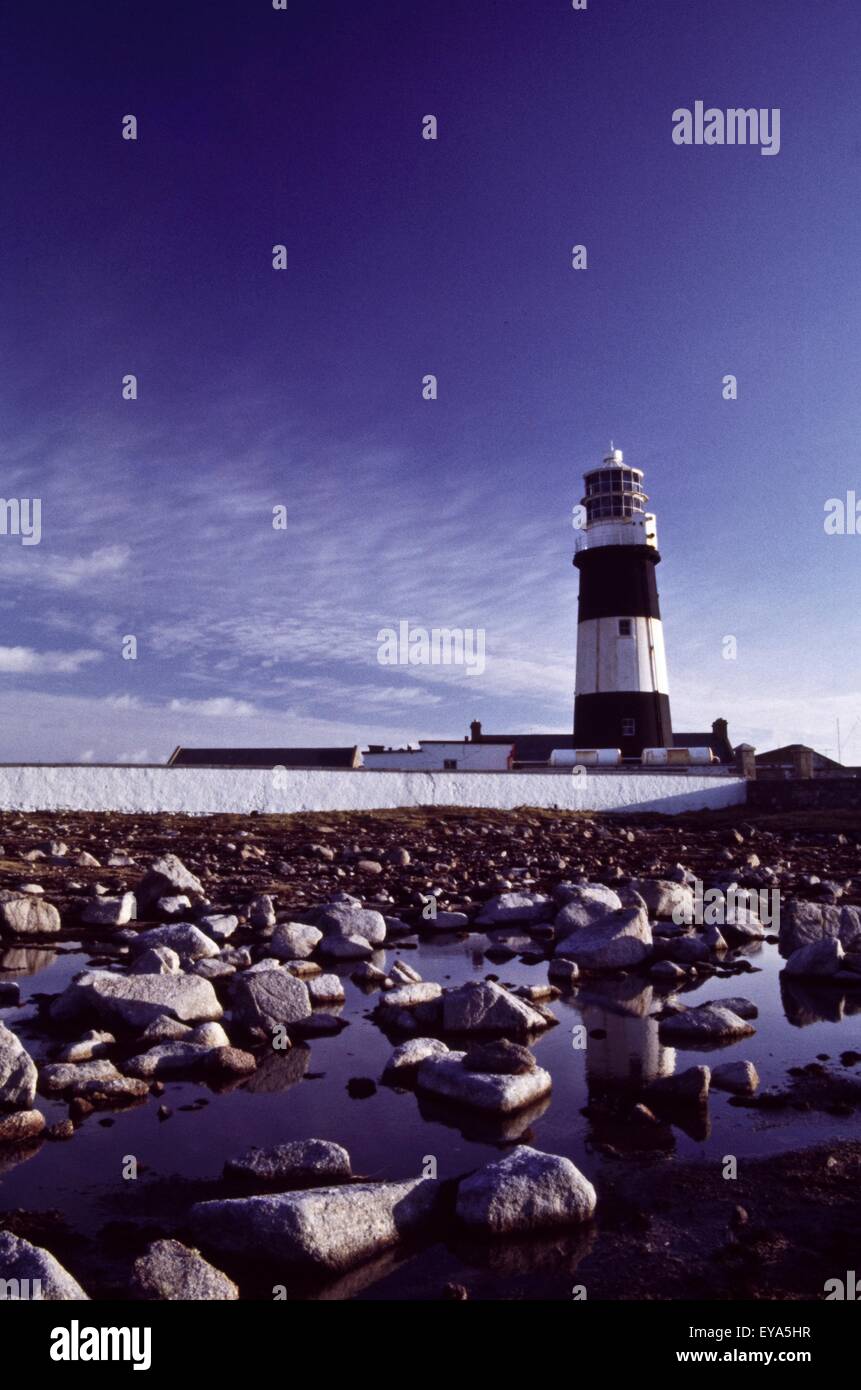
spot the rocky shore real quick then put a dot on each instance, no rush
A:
(217, 948)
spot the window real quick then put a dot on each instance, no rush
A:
(626, 626)
(449, 764)
(629, 728)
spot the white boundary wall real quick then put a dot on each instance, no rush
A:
(207, 791)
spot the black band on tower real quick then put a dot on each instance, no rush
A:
(598, 721)
(618, 581)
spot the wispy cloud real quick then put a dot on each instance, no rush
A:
(25, 661)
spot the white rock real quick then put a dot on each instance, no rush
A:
(583, 904)
(24, 915)
(326, 1228)
(620, 940)
(820, 958)
(710, 1022)
(302, 1161)
(110, 912)
(22, 1261)
(489, 1091)
(325, 989)
(158, 960)
(524, 1192)
(167, 875)
(133, 1001)
(481, 1006)
(169, 1271)
(189, 942)
(514, 907)
(406, 1058)
(294, 941)
(739, 1077)
(265, 999)
(220, 926)
(18, 1074)
(59, 1077)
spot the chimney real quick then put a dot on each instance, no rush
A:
(475, 730)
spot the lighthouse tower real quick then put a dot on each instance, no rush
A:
(622, 698)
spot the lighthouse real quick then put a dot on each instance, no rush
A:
(622, 697)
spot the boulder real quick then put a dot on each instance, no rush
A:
(18, 1074)
(689, 1087)
(261, 911)
(514, 907)
(495, 1092)
(168, 875)
(170, 1272)
(346, 921)
(620, 940)
(708, 1023)
(485, 1007)
(114, 1090)
(21, 1127)
(166, 1029)
(849, 930)
(110, 912)
(90, 1046)
(664, 898)
(406, 1058)
(265, 999)
(69, 1078)
(133, 1001)
(345, 948)
(524, 1192)
(742, 924)
(176, 905)
(158, 960)
(171, 1059)
(583, 904)
(739, 1077)
(327, 1228)
(187, 940)
(219, 925)
(445, 921)
(25, 1262)
(803, 923)
(564, 972)
(209, 1034)
(325, 989)
(504, 1058)
(745, 1008)
(304, 1161)
(818, 960)
(294, 941)
(22, 914)
(408, 996)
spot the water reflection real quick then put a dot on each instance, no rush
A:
(26, 960)
(623, 1050)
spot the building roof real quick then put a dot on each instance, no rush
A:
(265, 757)
(783, 757)
(536, 748)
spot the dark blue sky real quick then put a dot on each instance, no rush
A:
(407, 257)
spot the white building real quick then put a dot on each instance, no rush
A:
(440, 755)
